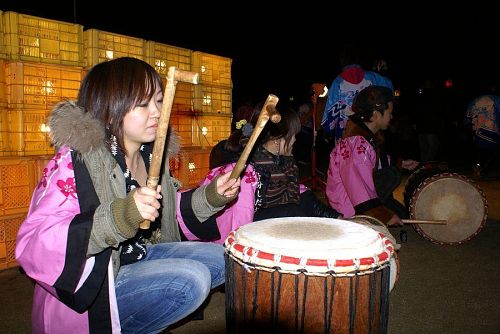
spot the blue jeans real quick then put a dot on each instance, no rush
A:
(171, 282)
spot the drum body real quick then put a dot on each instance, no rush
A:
(307, 275)
(377, 225)
(436, 195)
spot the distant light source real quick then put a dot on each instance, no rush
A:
(319, 89)
(191, 166)
(203, 69)
(109, 54)
(448, 83)
(207, 100)
(44, 128)
(204, 130)
(397, 93)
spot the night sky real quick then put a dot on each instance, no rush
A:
(284, 50)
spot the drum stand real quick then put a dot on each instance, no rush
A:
(317, 183)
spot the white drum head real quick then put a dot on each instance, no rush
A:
(316, 245)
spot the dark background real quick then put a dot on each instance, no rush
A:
(283, 49)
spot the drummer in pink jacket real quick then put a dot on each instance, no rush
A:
(351, 185)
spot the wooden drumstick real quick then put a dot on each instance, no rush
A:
(267, 112)
(174, 75)
(424, 221)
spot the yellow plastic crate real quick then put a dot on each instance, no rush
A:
(209, 130)
(162, 56)
(3, 83)
(3, 53)
(40, 86)
(101, 46)
(191, 166)
(213, 70)
(212, 100)
(28, 133)
(31, 38)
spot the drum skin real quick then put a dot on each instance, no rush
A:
(451, 197)
(262, 298)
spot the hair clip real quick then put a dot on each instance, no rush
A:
(240, 124)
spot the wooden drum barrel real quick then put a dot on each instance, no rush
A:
(307, 275)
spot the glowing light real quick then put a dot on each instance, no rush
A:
(397, 93)
(160, 63)
(204, 130)
(207, 100)
(109, 54)
(44, 128)
(325, 92)
(448, 83)
(203, 69)
(191, 166)
(48, 88)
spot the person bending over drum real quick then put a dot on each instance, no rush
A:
(270, 186)
(361, 178)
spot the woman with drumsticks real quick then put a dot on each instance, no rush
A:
(81, 241)
(361, 178)
(270, 186)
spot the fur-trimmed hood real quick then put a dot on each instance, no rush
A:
(70, 125)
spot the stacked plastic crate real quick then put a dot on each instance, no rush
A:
(40, 65)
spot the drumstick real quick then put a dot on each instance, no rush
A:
(173, 76)
(424, 221)
(267, 112)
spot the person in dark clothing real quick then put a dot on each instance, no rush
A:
(278, 193)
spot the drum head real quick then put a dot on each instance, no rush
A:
(316, 245)
(451, 197)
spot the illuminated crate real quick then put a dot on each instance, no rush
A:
(8, 231)
(40, 86)
(183, 98)
(209, 130)
(212, 100)
(3, 83)
(191, 166)
(3, 53)
(101, 46)
(162, 56)
(35, 39)
(18, 179)
(28, 133)
(4, 130)
(183, 126)
(213, 70)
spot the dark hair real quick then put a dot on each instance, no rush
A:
(113, 88)
(370, 99)
(288, 127)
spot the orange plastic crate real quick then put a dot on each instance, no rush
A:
(213, 70)
(212, 100)
(40, 86)
(209, 130)
(191, 166)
